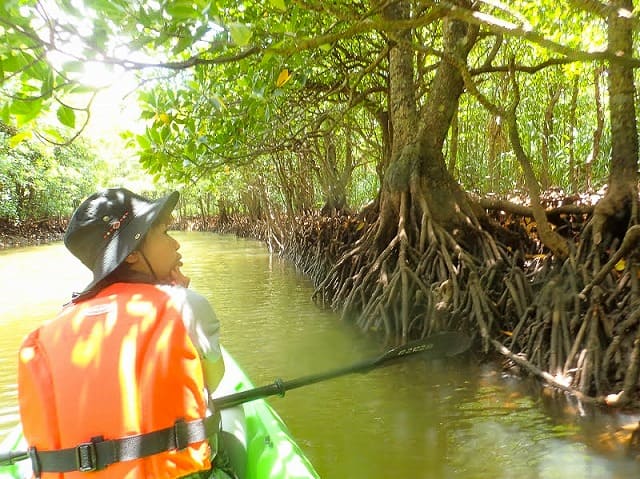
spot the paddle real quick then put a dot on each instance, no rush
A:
(11, 457)
(437, 346)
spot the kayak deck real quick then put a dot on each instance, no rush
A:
(270, 450)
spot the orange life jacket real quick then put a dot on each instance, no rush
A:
(116, 365)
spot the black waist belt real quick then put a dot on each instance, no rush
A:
(99, 453)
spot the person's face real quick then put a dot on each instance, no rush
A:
(161, 250)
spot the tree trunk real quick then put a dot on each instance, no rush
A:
(445, 197)
(620, 201)
(417, 266)
(547, 135)
(597, 133)
(453, 144)
(334, 176)
(417, 157)
(403, 118)
(573, 127)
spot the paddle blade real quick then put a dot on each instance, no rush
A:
(454, 342)
(439, 345)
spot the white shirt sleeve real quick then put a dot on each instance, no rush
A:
(199, 319)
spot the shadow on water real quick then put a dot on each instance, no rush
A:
(417, 419)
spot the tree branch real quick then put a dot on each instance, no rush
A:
(508, 28)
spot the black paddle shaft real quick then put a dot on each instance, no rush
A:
(11, 457)
(439, 345)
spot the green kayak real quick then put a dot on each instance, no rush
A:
(255, 429)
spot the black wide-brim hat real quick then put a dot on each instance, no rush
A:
(109, 225)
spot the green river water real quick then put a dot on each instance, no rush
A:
(453, 419)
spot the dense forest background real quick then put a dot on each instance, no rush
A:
(430, 165)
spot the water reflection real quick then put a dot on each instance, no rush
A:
(416, 419)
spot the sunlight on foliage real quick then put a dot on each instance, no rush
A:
(211, 76)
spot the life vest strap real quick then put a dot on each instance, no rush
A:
(99, 453)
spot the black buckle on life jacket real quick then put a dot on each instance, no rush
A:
(180, 434)
(35, 462)
(86, 456)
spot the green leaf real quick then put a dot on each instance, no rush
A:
(147, 114)
(14, 63)
(47, 85)
(217, 102)
(5, 113)
(26, 107)
(240, 34)
(26, 111)
(53, 134)
(279, 4)
(165, 133)
(110, 8)
(99, 36)
(185, 42)
(66, 116)
(67, 6)
(73, 66)
(79, 89)
(8, 64)
(39, 70)
(16, 139)
(181, 9)
(143, 141)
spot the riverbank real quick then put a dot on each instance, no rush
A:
(16, 235)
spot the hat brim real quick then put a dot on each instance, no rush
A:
(130, 236)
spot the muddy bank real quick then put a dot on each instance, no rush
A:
(15, 234)
(19, 234)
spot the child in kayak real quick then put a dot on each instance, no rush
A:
(119, 383)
